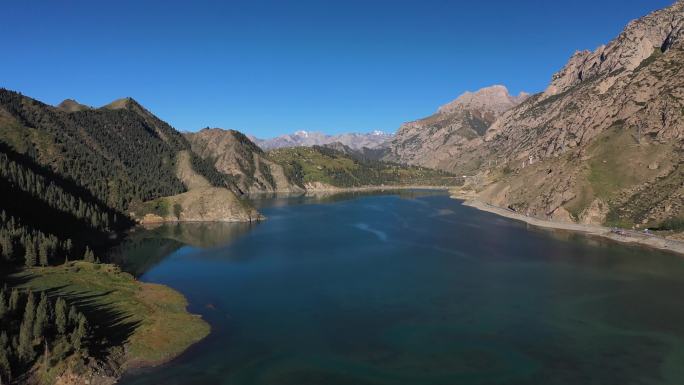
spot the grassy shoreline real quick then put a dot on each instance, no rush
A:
(335, 189)
(627, 236)
(150, 321)
(379, 188)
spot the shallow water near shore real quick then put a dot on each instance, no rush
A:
(412, 288)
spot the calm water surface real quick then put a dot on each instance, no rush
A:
(413, 289)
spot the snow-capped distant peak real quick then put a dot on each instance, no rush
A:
(301, 138)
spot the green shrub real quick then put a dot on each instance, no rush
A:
(676, 224)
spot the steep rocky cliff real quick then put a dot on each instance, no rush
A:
(604, 143)
(437, 140)
(232, 153)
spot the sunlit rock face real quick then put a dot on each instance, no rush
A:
(436, 140)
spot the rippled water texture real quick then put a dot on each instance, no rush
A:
(413, 288)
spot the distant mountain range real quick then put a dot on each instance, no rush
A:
(304, 168)
(602, 144)
(355, 141)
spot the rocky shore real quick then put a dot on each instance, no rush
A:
(623, 236)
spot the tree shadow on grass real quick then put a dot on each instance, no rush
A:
(110, 326)
(10, 277)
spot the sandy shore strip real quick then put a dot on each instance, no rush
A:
(623, 236)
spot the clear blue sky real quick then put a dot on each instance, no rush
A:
(268, 67)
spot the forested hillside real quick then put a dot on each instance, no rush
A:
(120, 153)
(36, 326)
(73, 173)
(68, 178)
(49, 218)
(321, 165)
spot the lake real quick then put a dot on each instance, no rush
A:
(412, 288)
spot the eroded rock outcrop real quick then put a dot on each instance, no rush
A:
(604, 142)
(437, 140)
(660, 30)
(201, 203)
(234, 154)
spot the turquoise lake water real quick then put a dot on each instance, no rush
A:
(412, 288)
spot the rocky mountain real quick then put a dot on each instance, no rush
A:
(202, 202)
(356, 141)
(603, 144)
(434, 141)
(70, 105)
(232, 153)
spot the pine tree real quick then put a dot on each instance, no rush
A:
(25, 345)
(3, 304)
(43, 253)
(79, 333)
(60, 316)
(25, 348)
(14, 300)
(40, 323)
(7, 247)
(30, 309)
(89, 256)
(30, 256)
(5, 368)
(73, 315)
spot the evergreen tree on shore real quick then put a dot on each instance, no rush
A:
(60, 316)
(28, 337)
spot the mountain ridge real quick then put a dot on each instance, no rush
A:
(356, 141)
(603, 143)
(234, 154)
(92, 147)
(432, 141)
